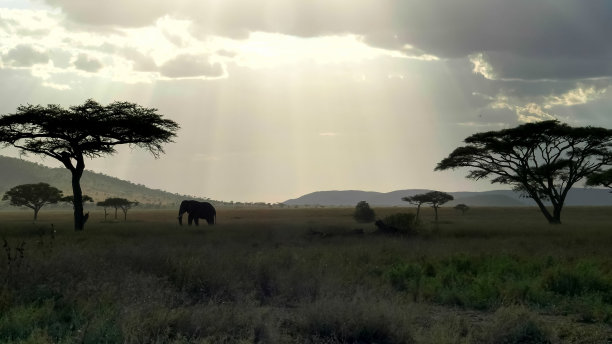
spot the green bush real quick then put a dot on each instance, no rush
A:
(363, 212)
(404, 222)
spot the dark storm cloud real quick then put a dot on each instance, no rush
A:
(25, 56)
(87, 63)
(188, 66)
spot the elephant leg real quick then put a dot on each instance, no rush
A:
(190, 219)
(197, 220)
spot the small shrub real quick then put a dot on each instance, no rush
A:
(352, 322)
(363, 212)
(404, 222)
(515, 325)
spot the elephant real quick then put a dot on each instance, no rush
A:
(197, 210)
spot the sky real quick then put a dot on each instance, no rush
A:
(279, 98)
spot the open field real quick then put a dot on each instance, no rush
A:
(493, 275)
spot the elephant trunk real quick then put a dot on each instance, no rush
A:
(180, 217)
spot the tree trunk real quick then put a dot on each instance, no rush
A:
(36, 213)
(556, 218)
(436, 212)
(115, 213)
(79, 222)
(551, 219)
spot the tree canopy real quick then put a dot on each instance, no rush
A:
(33, 196)
(70, 199)
(88, 130)
(542, 160)
(600, 179)
(436, 199)
(462, 208)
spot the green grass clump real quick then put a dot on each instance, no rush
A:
(489, 282)
(516, 325)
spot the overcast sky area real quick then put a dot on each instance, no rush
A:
(279, 98)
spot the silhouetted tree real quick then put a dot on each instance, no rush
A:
(89, 130)
(33, 196)
(542, 160)
(462, 208)
(117, 203)
(363, 212)
(436, 199)
(603, 178)
(417, 200)
(105, 205)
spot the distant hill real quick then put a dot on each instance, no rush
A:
(496, 198)
(15, 171)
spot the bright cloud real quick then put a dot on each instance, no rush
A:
(580, 95)
(481, 66)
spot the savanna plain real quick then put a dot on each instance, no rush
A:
(491, 275)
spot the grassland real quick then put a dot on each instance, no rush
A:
(493, 275)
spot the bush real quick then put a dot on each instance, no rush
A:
(514, 325)
(363, 212)
(404, 222)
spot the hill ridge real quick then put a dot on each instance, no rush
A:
(499, 198)
(99, 186)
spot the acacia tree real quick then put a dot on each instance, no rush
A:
(84, 131)
(124, 205)
(417, 200)
(600, 179)
(436, 199)
(117, 203)
(542, 160)
(462, 208)
(33, 196)
(104, 204)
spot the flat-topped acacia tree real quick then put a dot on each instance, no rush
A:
(542, 160)
(84, 131)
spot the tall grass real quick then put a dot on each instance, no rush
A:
(492, 275)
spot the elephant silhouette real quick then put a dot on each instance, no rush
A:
(197, 210)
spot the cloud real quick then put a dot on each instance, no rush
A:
(60, 87)
(142, 62)
(522, 39)
(532, 112)
(481, 66)
(87, 63)
(579, 95)
(191, 66)
(128, 13)
(26, 56)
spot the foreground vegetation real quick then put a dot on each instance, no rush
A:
(307, 275)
